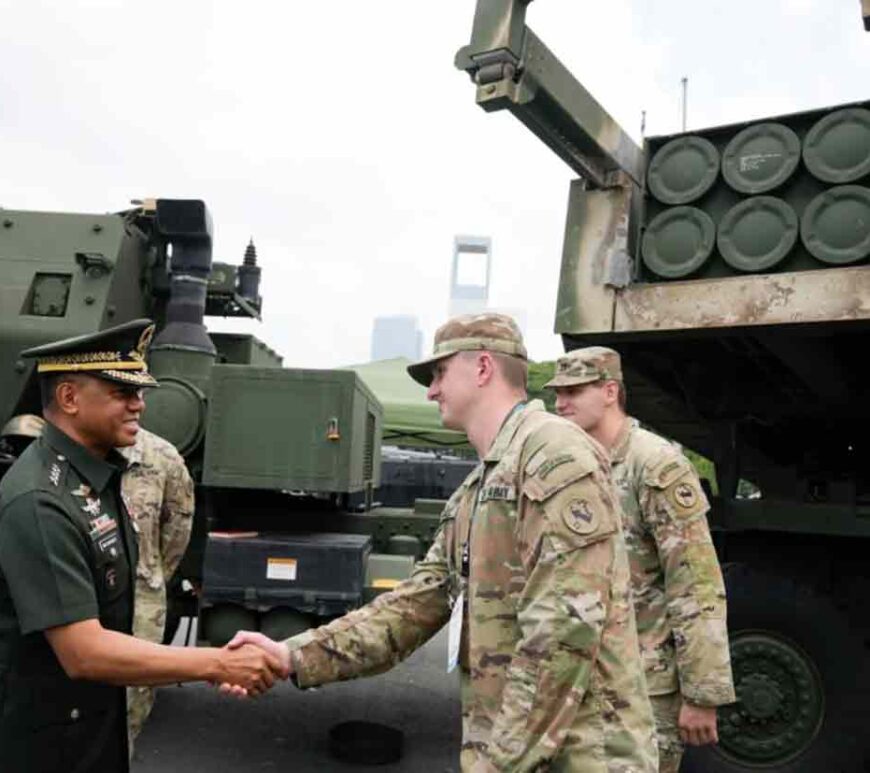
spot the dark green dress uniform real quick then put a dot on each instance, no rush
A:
(67, 554)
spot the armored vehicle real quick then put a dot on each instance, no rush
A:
(286, 461)
(730, 268)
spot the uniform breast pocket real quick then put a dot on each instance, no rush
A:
(113, 571)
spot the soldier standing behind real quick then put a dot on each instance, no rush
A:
(530, 567)
(679, 594)
(158, 493)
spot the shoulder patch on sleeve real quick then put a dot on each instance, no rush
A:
(580, 517)
(557, 470)
(668, 469)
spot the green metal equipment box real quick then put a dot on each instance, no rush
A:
(315, 431)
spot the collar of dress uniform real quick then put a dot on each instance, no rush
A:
(97, 472)
(620, 447)
(509, 428)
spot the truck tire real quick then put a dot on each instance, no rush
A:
(801, 676)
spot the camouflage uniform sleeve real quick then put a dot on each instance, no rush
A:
(567, 525)
(674, 507)
(376, 637)
(176, 512)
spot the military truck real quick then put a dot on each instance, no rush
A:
(286, 461)
(730, 268)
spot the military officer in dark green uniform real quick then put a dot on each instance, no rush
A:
(67, 569)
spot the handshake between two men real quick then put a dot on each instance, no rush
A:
(253, 664)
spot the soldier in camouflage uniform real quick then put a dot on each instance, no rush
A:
(531, 561)
(158, 493)
(679, 594)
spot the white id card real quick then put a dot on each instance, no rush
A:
(454, 636)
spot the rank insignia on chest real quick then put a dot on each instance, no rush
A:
(102, 523)
(92, 506)
(54, 474)
(110, 545)
(580, 517)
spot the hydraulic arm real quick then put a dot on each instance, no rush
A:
(514, 70)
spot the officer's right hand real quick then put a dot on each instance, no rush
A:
(251, 670)
(276, 650)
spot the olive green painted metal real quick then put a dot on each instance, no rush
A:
(177, 412)
(781, 700)
(761, 157)
(678, 241)
(529, 81)
(837, 148)
(683, 170)
(236, 349)
(835, 226)
(63, 274)
(278, 429)
(595, 257)
(757, 233)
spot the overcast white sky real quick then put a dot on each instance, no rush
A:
(338, 134)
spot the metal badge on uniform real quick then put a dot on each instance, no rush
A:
(111, 577)
(83, 490)
(110, 545)
(580, 517)
(54, 474)
(92, 506)
(454, 637)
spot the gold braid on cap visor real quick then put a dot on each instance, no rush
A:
(54, 366)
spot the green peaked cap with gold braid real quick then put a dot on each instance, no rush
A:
(115, 354)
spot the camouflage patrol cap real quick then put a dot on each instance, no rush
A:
(115, 354)
(489, 332)
(583, 366)
(23, 425)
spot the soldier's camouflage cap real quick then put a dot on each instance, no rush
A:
(115, 354)
(23, 425)
(584, 366)
(489, 332)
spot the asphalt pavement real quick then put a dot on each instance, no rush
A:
(194, 728)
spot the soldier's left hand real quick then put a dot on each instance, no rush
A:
(697, 725)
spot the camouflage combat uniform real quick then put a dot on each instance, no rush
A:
(550, 672)
(158, 492)
(679, 594)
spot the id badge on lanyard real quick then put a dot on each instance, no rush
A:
(454, 635)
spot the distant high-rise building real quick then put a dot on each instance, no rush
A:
(469, 276)
(396, 336)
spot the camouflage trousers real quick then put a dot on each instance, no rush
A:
(666, 710)
(140, 701)
(149, 618)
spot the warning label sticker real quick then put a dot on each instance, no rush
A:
(280, 568)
